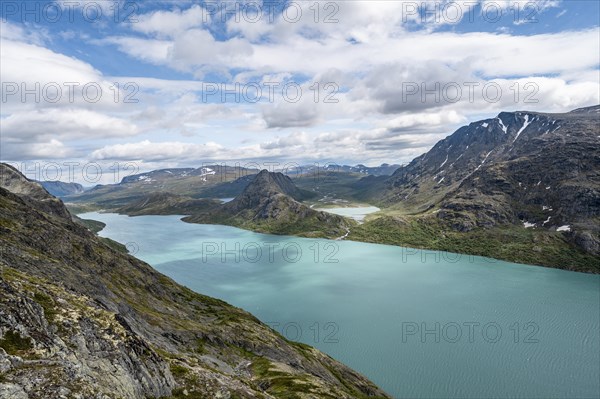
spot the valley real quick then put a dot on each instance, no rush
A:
(522, 187)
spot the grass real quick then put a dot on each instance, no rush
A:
(14, 344)
(93, 225)
(47, 304)
(179, 371)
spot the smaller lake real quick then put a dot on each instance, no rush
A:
(356, 213)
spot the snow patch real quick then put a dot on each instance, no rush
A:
(546, 208)
(564, 228)
(485, 124)
(485, 159)
(444, 163)
(525, 124)
(504, 128)
(547, 220)
(441, 180)
(528, 225)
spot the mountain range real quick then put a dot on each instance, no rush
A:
(82, 319)
(522, 186)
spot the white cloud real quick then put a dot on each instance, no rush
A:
(369, 53)
(168, 24)
(67, 124)
(153, 151)
(152, 51)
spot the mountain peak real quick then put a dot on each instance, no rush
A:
(268, 183)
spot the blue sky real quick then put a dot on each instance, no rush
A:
(189, 74)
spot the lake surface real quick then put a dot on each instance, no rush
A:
(420, 324)
(356, 213)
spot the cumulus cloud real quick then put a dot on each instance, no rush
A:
(168, 24)
(67, 124)
(374, 51)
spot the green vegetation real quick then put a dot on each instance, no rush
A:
(47, 304)
(179, 371)
(93, 225)
(511, 243)
(14, 344)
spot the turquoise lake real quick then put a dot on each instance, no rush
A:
(420, 324)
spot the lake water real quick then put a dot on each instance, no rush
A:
(356, 213)
(420, 324)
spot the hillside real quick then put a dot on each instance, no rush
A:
(80, 319)
(202, 182)
(162, 203)
(270, 204)
(530, 180)
(62, 189)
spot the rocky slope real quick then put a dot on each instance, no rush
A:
(62, 189)
(523, 169)
(80, 319)
(31, 192)
(270, 203)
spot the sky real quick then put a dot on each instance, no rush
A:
(161, 84)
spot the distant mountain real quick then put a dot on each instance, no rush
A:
(62, 189)
(81, 319)
(526, 169)
(162, 203)
(219, 181)
(203, 182)
(270, 203)
(382, 170)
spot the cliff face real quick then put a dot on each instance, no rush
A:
(82, 320)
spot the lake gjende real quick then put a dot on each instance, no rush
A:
(420, 324)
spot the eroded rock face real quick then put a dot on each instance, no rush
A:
(82, 351)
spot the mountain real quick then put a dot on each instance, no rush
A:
(524, 170)
(382, 170)
(62, 189)
(31, 192)
(80, 319)
(163, 203)
(270, 203)
(203, 182)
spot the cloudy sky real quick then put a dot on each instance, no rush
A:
(183, 83)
